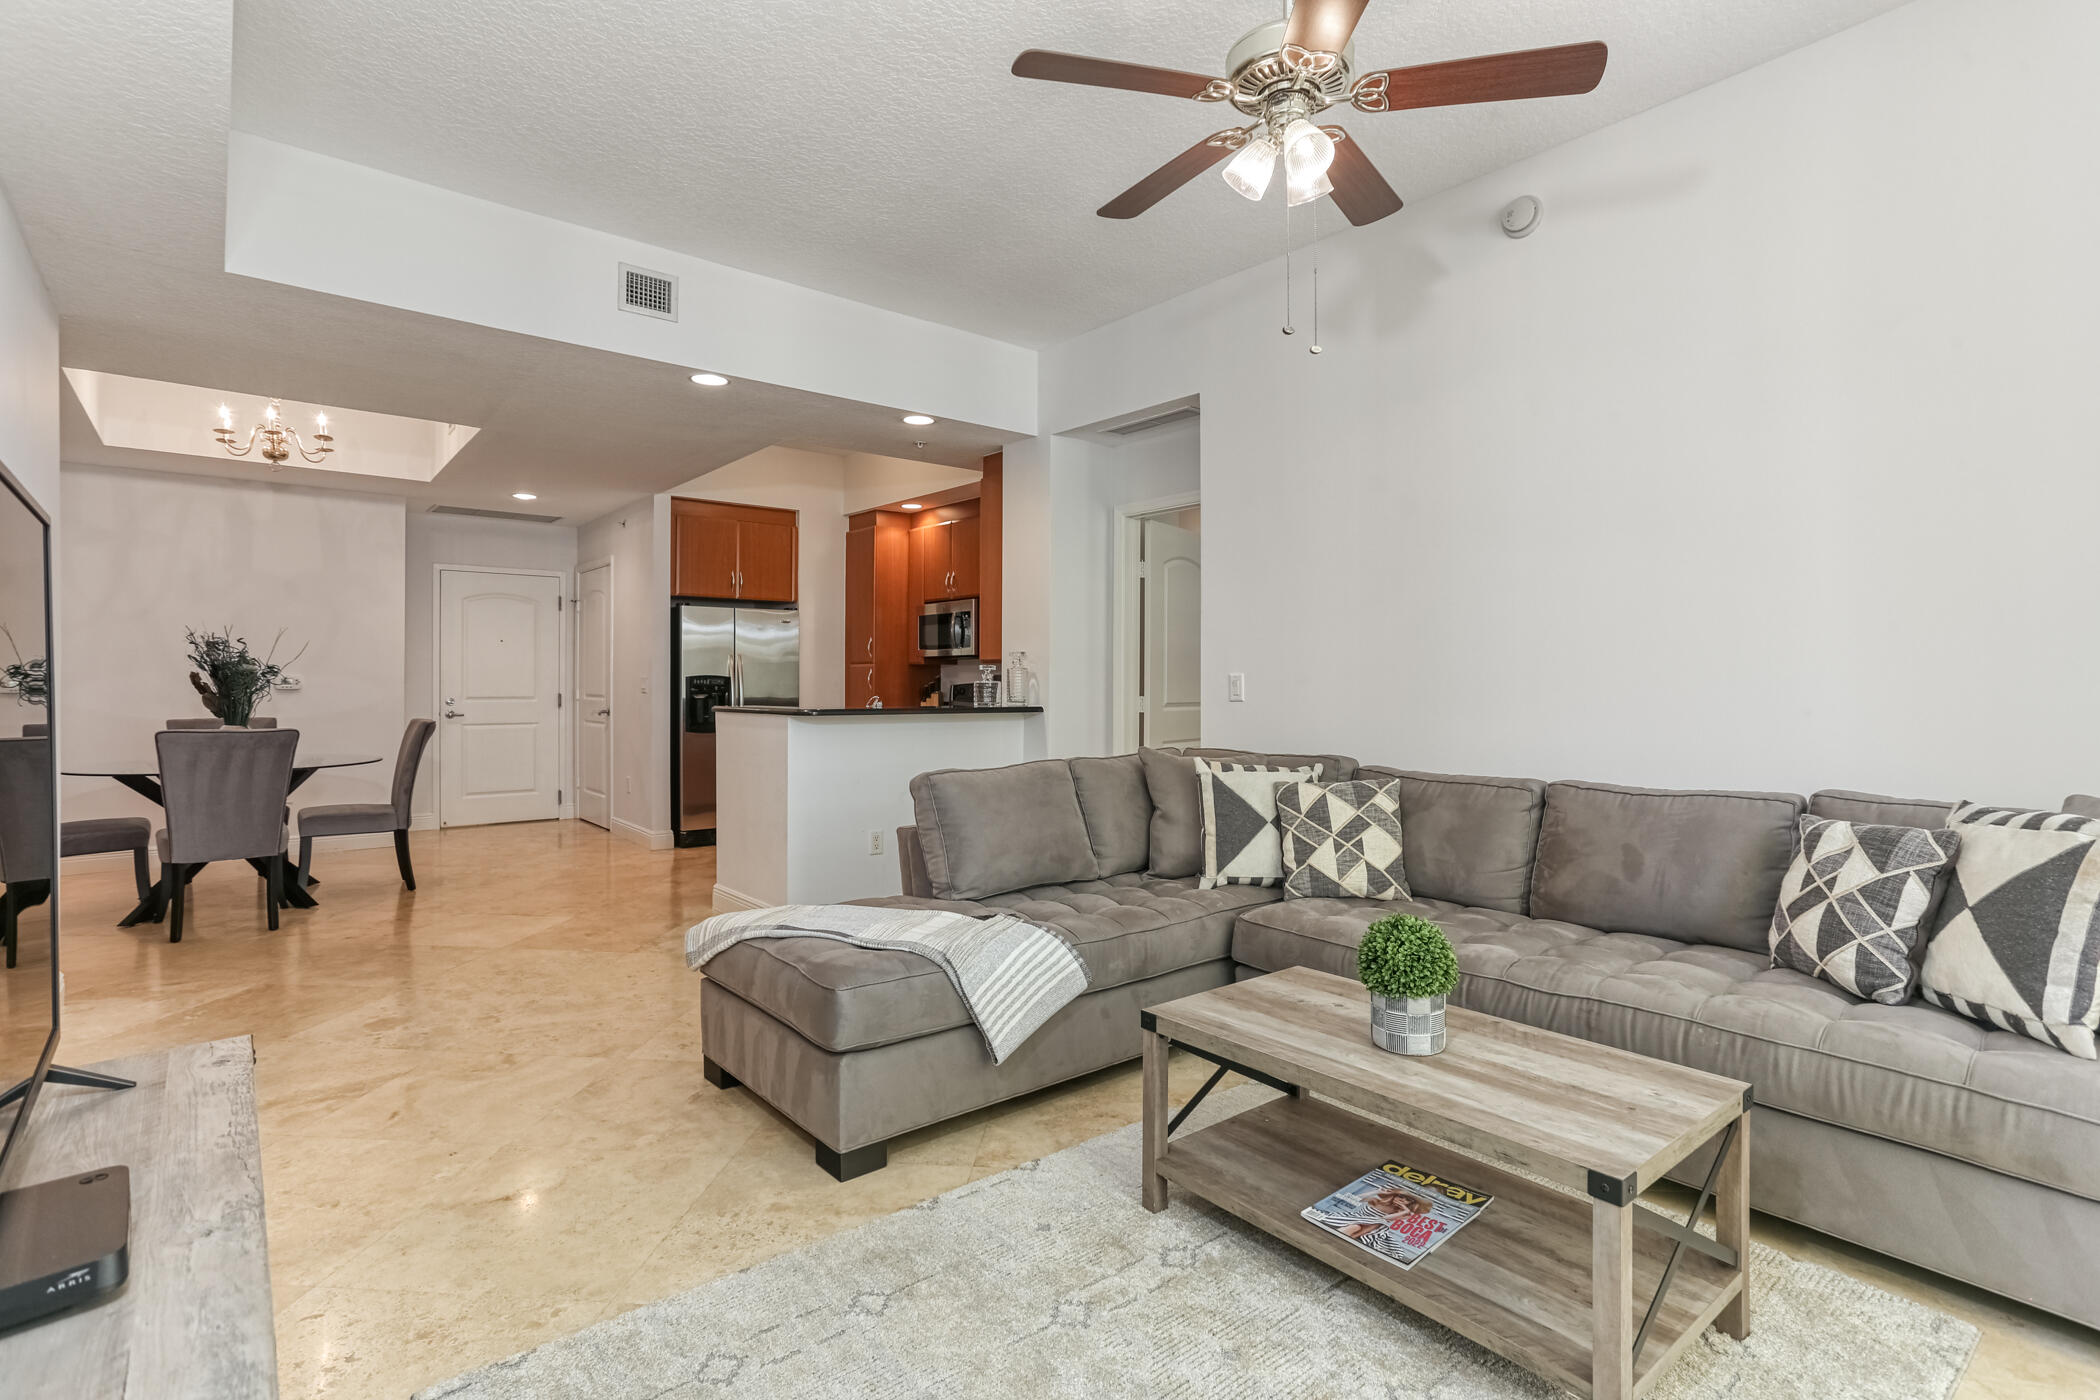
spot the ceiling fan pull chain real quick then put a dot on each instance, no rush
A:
(1316, 277)
(1288, 328)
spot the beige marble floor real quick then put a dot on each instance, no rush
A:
(484, 1123)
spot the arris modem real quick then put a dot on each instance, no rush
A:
(62, 1243)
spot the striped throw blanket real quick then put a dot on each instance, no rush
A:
(1012, 975)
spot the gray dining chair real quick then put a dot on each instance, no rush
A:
(367, 818)
(25, 831)
(95, 836)
(224, 792)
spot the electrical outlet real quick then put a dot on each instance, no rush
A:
(1235, 686)
(875, 842)
(630, 785)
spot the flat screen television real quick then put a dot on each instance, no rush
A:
(63, 1242)
(29, 980)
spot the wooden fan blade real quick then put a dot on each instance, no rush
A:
(1500, 77)
(1169, 177)
(1323, 26)
(1108, 73)
(1360, 192)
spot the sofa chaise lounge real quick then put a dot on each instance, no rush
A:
(1633, 917)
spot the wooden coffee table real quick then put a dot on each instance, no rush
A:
(1546, 1278)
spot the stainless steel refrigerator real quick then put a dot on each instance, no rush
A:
(727, 655)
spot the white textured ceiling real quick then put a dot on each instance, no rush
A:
(113, 126)
(879, 149)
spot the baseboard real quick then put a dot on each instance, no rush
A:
(641, 835)
(727, 898)
(423, 821)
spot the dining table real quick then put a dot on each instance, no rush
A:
(141, 773)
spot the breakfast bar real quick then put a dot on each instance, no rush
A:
(810, 799)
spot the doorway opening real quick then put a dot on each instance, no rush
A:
(1159, 625)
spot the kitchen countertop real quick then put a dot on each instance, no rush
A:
(873, 714)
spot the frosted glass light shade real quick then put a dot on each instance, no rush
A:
(1248, 172)
(1306, 191)
(1307, 151)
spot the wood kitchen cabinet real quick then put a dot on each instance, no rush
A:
(880, 610)
(944, 559)
(730, 551)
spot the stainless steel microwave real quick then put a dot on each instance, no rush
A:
(949, 628)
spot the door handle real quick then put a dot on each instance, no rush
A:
(455, 714)
(605, 712)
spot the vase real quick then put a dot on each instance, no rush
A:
(1407, 1025)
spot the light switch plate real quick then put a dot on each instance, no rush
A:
(1235, 686)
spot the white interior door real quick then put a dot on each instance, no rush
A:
(499, 684)
(1170, 681)
(594, 695)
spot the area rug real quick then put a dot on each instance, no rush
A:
(1050, 1280)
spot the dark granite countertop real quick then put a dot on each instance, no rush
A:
(877, 714)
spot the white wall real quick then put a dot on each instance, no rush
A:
(641, 642)
(1062, 495)
(1766, 462)
(313, 221)
(148, 554)
(475, 542)
(28, 368)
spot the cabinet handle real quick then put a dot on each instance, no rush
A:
(871, 648)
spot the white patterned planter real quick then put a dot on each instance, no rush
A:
(1407, 1025)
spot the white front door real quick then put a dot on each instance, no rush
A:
(499, 689)
(1171, 657)
(594, 695)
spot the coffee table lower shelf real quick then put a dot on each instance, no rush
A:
(1517, 1280)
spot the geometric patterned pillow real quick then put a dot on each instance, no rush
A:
(1852, 903)
(2017, 942)
(1341, 840)
(1240, 845)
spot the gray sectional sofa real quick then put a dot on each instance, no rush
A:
(1632, 917)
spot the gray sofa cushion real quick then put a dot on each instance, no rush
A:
(1118, 810)
(1701, 866)
(1873, 809)
(1177, 807)
(989, 830)
(843, 998)
(1468, 840)
(2083, 806)
(1912, 1074)
(1175, 842)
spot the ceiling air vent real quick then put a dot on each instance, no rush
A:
(1156, 420)
(495, 514)
(648, 293)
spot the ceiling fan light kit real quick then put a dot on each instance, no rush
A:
(1283, 74)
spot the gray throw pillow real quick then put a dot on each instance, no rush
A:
(2017, 941)
(1175, 842)
(1241, 845)
(1853, 905)
(1341, 840)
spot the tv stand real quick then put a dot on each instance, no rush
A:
(193, 1321)
(78, 1078)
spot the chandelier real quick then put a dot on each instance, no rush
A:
(275, 441)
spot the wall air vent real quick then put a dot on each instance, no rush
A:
(494, 514)
(1156, 420)
(648, 293)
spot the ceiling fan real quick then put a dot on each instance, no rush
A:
(1285, 73)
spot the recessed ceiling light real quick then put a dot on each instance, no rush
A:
(919, 420)
(712, 381)
(523, 496)
(913, 505)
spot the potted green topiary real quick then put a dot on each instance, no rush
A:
(1407, 965)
